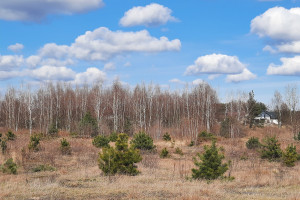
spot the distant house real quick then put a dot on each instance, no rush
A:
(267, 117)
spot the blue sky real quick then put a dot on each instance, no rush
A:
(231, 44)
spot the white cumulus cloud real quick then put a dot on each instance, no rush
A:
(57, 62)
(53, 50)
(197, 81)
(33, 61)
(37, 60)
(278, 23)
(282, 26)
(10, 62)
(175, 80)
(15, 47)
(216, 64)
(51, 61)
(46, 73)
(102, 44)
(244, 76)
(4, 75)
(90, 76)
(151, 15)
(270, 49)
(290, 47)
(37, 10)
(290, 66)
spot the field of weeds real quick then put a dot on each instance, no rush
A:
(77, 176)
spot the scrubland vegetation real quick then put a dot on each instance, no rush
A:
(51, 174)
(145, 144)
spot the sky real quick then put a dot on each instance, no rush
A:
(234, 45)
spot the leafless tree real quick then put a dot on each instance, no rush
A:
(292, 101)
(277, 105)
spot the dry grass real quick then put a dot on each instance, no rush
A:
(78, 176)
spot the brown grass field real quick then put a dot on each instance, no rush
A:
(77, 176)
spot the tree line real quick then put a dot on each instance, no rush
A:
(148, 108)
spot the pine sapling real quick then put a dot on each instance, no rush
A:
(210, 164)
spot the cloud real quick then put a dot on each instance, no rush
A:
(90, 76)
(98, 45)
(175, 80)
(278, 23)
(216, 64)
(151, 15)
(10, 62)
(33, 61)
(244, 76)
(4, 75)
(53, 73)
(290, 67)
(46, 73)
(37, 10)
(37, 60)
(270, 49)
(109, 66)
(291, 47)
(198, 81)
(281, 25)
(53, 50)
(102, 44)
(56, 62)
(15, 47)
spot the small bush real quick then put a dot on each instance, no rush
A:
(101, 141)
(142, 141)
(225, 127)
(271, 149)
(297, 137)
(107, 161)
(244, 156)
(204, 137)
(53, 131)
(10, 135)
(9, 167)
(74, 134)
(88, 126)
(44, 168)
(178, 151)
(167, 137)
(290, 156)
(34, 144)
(113, 137)
(164, 153)
(3, 145)
(210, 166)
(192, 143)
(253, 143)
(65, 147)
(120, 159)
